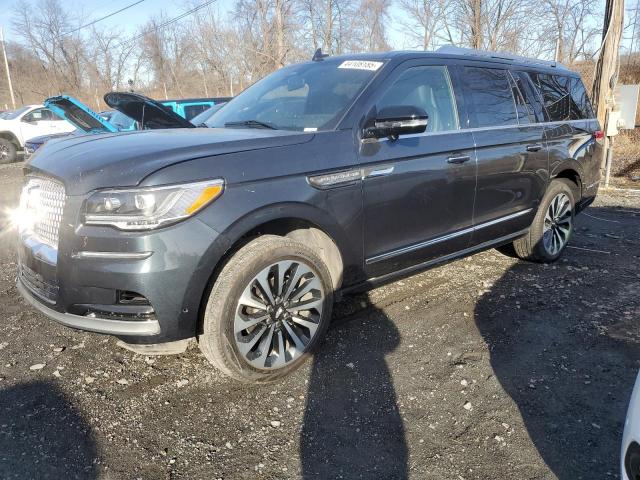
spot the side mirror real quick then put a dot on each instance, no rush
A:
(398, 120)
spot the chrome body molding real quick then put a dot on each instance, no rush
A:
(335, 179)
(444, 238)
(112, 255)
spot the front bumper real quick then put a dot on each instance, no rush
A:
(80, 284)
(92, 324)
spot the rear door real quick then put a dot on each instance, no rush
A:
(418, 190)
(571, 127)
(511, 152)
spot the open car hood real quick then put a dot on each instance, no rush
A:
(78, 114)
(147, 112)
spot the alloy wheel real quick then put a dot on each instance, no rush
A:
(278, 314)
(4, 152)
(558, 223)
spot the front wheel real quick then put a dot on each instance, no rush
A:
(552, 226)
(267, 311)
(8, 152)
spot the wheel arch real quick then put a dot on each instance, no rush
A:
(571, 171)
(8, 135)
(301, 222)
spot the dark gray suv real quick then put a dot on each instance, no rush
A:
(325, 177)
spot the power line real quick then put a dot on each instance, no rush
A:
(168, 22)
(102, 18)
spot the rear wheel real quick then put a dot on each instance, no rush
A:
(8, 151)
(267, 311)
(552, 226)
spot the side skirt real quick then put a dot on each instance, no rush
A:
(390, 277)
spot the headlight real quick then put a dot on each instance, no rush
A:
(148, 208)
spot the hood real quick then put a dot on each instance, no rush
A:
(78, 114)
(147, 112)
(39, 140)
(87, 162)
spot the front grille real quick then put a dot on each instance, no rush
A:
(35, 282)
(45, 201)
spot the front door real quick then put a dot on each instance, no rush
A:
(418, 190)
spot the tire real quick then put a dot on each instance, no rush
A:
(8, 152)
(253, 354)
(545, 244)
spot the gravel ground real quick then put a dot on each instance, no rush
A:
(485, 368)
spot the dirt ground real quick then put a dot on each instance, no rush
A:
(486, 368)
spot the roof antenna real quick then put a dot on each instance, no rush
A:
(318, 56)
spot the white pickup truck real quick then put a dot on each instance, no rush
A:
(17, 126)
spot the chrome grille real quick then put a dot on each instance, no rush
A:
(45, 201)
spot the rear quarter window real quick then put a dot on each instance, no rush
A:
(564, 97)
(489, 94)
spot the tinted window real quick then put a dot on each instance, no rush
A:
(428, 88)
(191, 111)
(559, 98)
(524, 105)
(490, 95)
(35, 115)
(49, 115)
(581, 99)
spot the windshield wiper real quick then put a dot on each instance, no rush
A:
(251, 124)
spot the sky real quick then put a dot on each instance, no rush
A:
(131, 19)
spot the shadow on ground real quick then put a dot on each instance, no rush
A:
(553, 348)
(352, 426)
(43, 436)
(558, 356)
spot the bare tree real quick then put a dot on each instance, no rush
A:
(424, 20)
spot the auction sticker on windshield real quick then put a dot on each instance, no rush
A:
(361, 65)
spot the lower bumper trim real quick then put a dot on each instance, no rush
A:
(92, 324)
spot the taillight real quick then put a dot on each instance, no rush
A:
(598, 134)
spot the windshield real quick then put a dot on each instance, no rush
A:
(13, 114)
(119, 120)
(201, 118)
(306, 97)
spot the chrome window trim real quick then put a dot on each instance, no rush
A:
(482, 129)
(449, 236)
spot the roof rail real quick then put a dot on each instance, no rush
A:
(453, 50)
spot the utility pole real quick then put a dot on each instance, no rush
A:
(633, 33)
(607, 74)
(6, 66)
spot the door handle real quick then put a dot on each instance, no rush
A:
(458, 159)
(534, 148)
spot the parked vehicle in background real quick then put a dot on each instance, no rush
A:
(630, 458)
(323, 178)
(87, 121)
(16, 126)
(190, 107)
(201, 119)
(119, 120)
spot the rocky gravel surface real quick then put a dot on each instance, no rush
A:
(485, 368)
